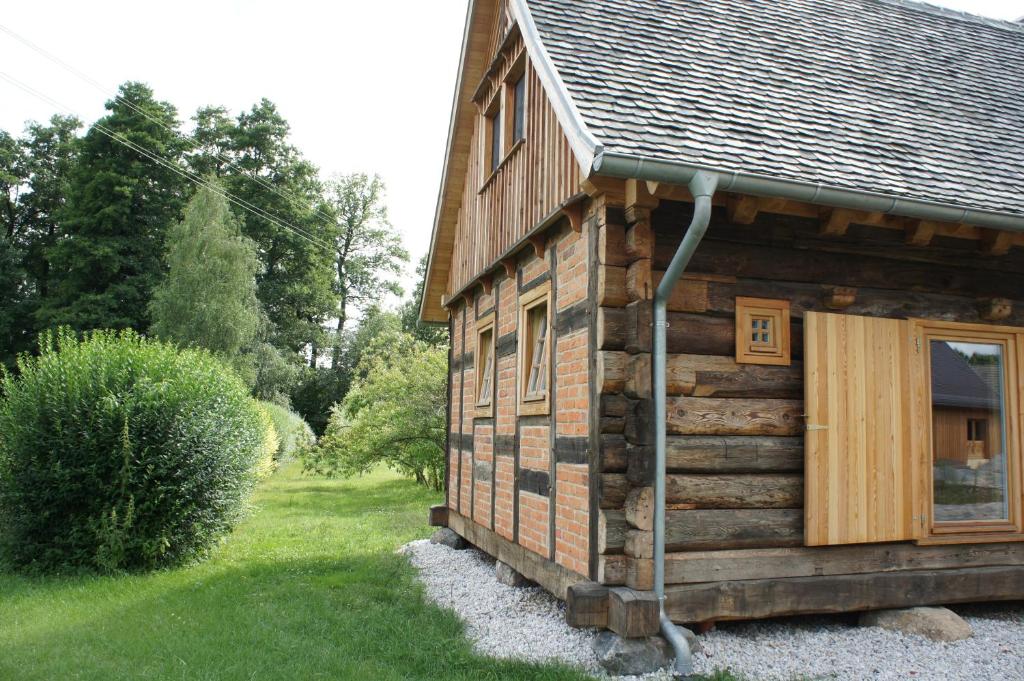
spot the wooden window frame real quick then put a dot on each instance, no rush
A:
(485, 407)
(1012, 340)
(493, 111)
(778, 313)
(534, 404)
(516, 74)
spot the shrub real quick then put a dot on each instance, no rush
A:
(296, 435)
(121, 453)
(270, 445)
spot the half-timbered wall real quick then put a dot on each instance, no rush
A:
(526, 477)
(735, 451)
(497, 210)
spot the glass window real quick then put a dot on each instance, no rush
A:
(537, 382)
(969, 431)
(495, 140)
(486, 364)
(519, 116)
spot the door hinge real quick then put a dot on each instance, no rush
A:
(923, 519)
(917, 344)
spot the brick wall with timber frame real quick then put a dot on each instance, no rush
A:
(525, 478)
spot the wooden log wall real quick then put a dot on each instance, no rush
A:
(536, 177)
(735, 447)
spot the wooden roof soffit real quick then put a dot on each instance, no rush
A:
(836, 222)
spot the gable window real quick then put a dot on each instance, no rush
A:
(913, 431)
(519, 110)
(762, 331)
(485, 366)
(535, 351)
(492, 132)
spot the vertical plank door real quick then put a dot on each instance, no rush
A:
(859, 447)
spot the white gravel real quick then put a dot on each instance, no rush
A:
(529, 624)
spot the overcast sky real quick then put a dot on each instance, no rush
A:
(366, 86)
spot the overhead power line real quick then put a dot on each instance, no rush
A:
(188, 175)
(142, 112)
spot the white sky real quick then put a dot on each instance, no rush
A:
(366, 85)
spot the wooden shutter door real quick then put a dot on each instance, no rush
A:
(860, 463)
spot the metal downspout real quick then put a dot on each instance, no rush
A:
(702, 187)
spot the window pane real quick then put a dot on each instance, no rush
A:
(495, 141)
(969, 431)
(519, 122)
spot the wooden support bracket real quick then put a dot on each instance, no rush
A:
(837, 222)
(996, 242)
(575, 215)
(840, 297)
(539, 243)
(487, 281)
(743, 210)
(920, 233)
(510, 265)
(995, 309)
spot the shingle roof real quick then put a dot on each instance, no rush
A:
(885, 96)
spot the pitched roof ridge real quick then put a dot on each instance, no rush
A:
(924, 6)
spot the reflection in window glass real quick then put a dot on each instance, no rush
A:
(969, 431)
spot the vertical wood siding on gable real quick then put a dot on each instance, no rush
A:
(533, 181)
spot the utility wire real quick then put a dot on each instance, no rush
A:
(121, 100)
(191, 177)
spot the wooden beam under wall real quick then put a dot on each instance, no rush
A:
(760, 598)
(510, 266)
(575, 215)
(553, 577)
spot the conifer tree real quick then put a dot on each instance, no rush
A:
(119, 206)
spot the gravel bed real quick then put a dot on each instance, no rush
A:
(529, 624)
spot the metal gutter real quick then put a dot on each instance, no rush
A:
(702, 187)
(635, 167)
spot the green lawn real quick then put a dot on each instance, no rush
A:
(308, 588)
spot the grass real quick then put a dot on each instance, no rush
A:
(308, 588)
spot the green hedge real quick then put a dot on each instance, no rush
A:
(121, 453)
(293, 430)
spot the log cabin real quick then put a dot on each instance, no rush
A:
(756, 268)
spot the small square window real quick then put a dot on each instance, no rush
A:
(534, 351)
(762, 331)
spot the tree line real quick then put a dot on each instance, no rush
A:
(222, 236)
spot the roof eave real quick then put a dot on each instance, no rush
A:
(675, 172)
